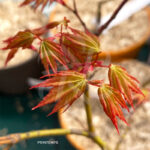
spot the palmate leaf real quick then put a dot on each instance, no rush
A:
(22, 39)
(122, 81)
(43, 3)
(67, 86)
(80, 46)
(11, 54)
(112, 101)
(49, 53)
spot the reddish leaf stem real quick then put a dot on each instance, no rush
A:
(38, 37)
(104, 26)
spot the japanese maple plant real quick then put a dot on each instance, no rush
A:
(78, 52)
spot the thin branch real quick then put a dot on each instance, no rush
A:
(88, 110)
(76, 13)
(104, 26)
(12, 139)
(101, 143)
(99, 13)
(78, 16)
(15, 138)
(92, 74)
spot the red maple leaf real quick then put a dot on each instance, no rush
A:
(22, 39)
(112, 101)
(80, 47)
(67, 86)
(122, 81)
(49, 50)
(49, 53)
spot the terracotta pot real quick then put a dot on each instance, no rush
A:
(63, 118)
(130, 51)
(14, 80)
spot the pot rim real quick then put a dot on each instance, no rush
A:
(69, 137)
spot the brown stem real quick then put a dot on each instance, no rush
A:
(99, 13)
(104, 26)
(76, 13)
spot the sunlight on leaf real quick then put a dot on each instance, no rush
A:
(22, 39)
(49, 53)
(112, 101)
(122, 81)
(80, 46)
(67, 86)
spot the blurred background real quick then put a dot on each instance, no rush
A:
(128, 39)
